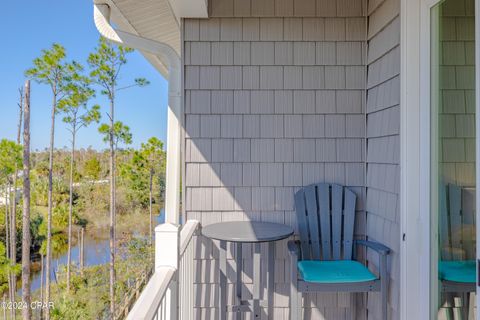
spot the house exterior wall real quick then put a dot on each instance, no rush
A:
(277, 97)
(454, 107)
(457, 96)
(457, 107)
(383, 144)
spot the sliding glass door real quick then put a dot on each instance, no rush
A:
(453, 160)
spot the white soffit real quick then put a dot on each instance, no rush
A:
(151, 19)
(189, 8)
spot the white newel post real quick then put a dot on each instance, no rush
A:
(167, 245)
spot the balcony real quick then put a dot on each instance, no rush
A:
(169, 294)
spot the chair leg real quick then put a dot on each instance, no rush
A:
(471, 306)
(295, 295)
(449, 306)
(384, 300)
(384, 287)
(295, 302)
(465, 304)
(300, 305)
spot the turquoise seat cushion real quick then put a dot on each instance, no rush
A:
(457, 271)
(337, 271)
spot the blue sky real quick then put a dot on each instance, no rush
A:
(32, 25)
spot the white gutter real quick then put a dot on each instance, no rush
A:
(101, 12)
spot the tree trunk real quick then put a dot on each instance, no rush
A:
(11, 274)
(7, 235)
(7, 239)
(4, 309)
(82, 250)
(26, 240)
(13, 220)
(79, 241)
(150, 208)
(79, 244)
(112, 210)
(70, 209)
(50, 208)
(42, 276)
(7, 226)
(42, 281)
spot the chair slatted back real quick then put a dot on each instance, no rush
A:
(326, 218)
(451, 223)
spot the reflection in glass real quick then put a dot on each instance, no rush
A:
(452, 102)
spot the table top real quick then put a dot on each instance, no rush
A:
(247, 231)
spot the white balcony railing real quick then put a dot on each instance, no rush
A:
(168, 294)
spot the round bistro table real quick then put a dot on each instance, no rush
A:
(240, 232)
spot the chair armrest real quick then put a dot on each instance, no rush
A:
(383, 252)
(378, 247)
(293, 248)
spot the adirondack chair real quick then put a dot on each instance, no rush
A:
(322, 260)
(456, 268)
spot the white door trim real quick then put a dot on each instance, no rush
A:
(412, 302)
(415, 255)
(416, 294)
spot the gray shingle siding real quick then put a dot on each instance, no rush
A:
(383, 147)
(284, 94)
(457, 142)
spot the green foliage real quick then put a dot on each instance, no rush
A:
(104, 72)
(69, 308)
(59, 225)
(141, 82)
(106, 63)
(37, 238)
(89, 295)
(52, 69)
(59, 242)
(60, 217)
(6, 267)
(74, 107)
(88, 298)
(135, 173)
(135, 177)
(48, 68)
(40, 190)
(10, 157)
(92, 169)
(121, 133)
(72, 91)
(153, 151)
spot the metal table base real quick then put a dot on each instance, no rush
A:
(258, 302)
(255, 233)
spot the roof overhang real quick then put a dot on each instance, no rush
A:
(158, 20)
(189, 8)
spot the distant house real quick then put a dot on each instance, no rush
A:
(104, 181)
(268, 96)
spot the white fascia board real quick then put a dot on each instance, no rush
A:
(189, 8)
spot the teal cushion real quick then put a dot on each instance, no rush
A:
(457, 271)
(338, 271)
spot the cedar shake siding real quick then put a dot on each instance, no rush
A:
(280, 94)
(383, 144)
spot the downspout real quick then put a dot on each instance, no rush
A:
(172, 59)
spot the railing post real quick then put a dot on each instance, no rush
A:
(167, 255)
